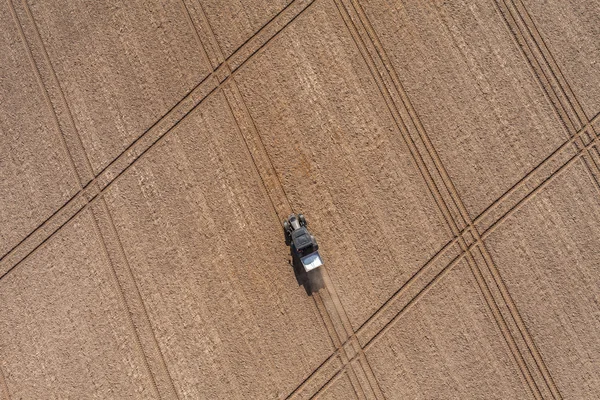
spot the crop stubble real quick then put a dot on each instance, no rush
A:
(312, 102)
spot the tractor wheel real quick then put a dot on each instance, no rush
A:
(286, 226)
(302, 219)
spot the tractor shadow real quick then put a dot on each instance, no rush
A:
(312, 280)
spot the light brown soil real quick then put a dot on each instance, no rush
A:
(548, 255)
(36, 174)
(446, 154)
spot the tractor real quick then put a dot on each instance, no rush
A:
(303, 244)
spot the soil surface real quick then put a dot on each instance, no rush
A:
(445, 153)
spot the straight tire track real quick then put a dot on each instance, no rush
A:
(73, 140)
(5, 393)
(148, 138)
(500, 200)
(280, 201)
(84, 177)
(361, 20)
(118, 289)
(549, 75)
(134, 303)
(505, 299)
(43, 88)
(364, 332)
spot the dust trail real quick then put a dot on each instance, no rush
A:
(315, 280)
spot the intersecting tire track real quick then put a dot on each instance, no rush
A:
(476, 269)
(511, 19)
(106, 175)
(84, 179)
(486, 232)
(510, 303)
(233, 99)
(231, 72)
(492, 269)
(136, 143)
(512, 16)
(573, 106)
(521, 13)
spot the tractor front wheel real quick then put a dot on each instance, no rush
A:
(302, 219)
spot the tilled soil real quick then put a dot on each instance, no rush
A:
(445, 153)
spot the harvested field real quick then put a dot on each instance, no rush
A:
(445, 154)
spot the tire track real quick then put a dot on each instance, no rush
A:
(129, 161)
(333, 330)
(351, 348)
(327, 302)
(492, 275)
(404, 299)
(318, 377)
(4, 385)
(107, 176)
(134, 303)
(126, 158)
(84, 177)
(554, 83)
(417, 158)
(99, 185)
(413, 300)
(546, 168)
(370, 340)
(124, 152)
(73, 140)
(44, 90)
(425, 172)
(505, 299)
(554, 157)
(395, 305)
(162, 126)
(503, 326)
(12, 257)
(521, 200)
(356, 11)
(77, 205)
(549, 75)
(118, 289)
(513, 311)
(568, 121)
(281, 207)
(330, 383)
(537, 189)
(501, 286)
(553, 67)
(258, 42)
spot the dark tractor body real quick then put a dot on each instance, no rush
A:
(302, 242)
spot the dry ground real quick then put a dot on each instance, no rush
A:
(446, 154)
